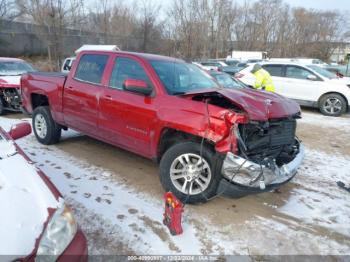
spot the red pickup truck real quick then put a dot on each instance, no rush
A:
(209, 140)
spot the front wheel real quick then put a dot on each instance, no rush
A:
(189, 172)
(46, 130)
(332, 105)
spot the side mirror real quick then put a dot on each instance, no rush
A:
(20, 130)
(311, 77)
(137, 86)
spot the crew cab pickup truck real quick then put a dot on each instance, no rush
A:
(209, 140)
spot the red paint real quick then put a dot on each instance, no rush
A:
(173, 212)
(136, 122)
(135, 83)
(20, 130)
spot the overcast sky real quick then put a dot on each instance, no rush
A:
(321, 4)
(341, 5)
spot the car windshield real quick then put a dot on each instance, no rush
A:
(323, 72)
(181, 78)
(10, 68)
(227, 81)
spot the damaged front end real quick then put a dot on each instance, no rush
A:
(268, 156)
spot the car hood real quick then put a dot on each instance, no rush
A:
(344, 80)
(10, 81)
(24, 201)
(259, 105)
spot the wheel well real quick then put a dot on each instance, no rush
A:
(39, 100)
(346, 101)
(170, 137)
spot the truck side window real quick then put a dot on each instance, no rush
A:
(91, 67)
(126, 68)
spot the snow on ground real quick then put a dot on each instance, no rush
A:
(342, 122)
(318, 200)
(314, 219)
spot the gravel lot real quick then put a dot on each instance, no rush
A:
(117, 198)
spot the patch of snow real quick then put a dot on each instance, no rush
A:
(7, 148)
(342, 122)
(24, 203)
(318, 200)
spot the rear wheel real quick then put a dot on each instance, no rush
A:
(46, 130)
(332, 105)
(189, 173)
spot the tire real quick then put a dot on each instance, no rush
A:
(2, 109)
(332, 105)
(186, 155)
(46, 130)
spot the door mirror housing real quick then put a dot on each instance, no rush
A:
(20, 130)
(311, 77)
(137, 86)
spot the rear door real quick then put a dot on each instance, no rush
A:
(127, 118)
(82, 93)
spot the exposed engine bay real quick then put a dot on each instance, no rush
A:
(269, 154)
(217, 100)
(11, 99)
(272, 141)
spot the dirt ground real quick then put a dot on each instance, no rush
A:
(258, 224)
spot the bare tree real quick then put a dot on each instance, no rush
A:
(8, 9)
(53, 17)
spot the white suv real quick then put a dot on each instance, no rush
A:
(309, 85)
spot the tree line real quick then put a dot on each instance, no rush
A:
(189, 29)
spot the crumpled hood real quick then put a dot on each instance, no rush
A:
(10, 81)
(261, 105)
(24, 203)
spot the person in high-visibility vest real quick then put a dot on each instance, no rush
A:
(263, 79)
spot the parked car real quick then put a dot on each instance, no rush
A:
(208, 140)
(339, 70)
(309, 85)
(213, 65)
(304, 61)
(11, 70)
(226, 80)
(232, 62)
(35, 220)
(232, 70)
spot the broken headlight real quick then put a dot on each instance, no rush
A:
(58, 234)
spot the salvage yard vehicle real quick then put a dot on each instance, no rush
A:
(209, 140)
(11, 70)
(35, 221)
(309, 85)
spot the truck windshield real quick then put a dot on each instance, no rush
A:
(181, 78)
(14, 68)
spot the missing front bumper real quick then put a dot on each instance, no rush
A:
(242, 177)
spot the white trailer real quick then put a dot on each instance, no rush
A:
(246, 55)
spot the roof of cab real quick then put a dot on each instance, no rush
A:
(146, 56)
